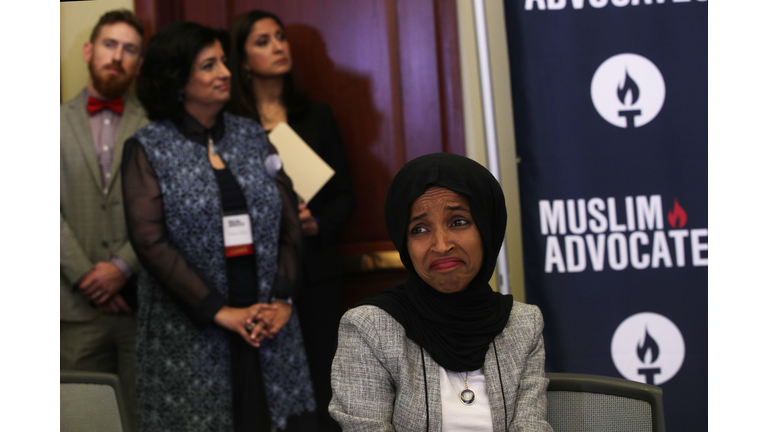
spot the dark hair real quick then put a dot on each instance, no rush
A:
(117, 16)
(243, 101)
(167, 65)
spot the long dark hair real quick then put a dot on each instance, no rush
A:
(168, 63)
(243, 101)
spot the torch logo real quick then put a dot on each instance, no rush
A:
(677, 217)
(648, 348)
(628, 90)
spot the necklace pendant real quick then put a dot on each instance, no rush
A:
(467, 397)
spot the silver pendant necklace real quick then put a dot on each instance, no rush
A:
(466, 396)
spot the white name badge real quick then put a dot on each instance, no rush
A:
(238, 239)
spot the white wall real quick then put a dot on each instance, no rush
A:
(77, 20)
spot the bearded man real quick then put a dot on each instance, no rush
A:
(98, 327)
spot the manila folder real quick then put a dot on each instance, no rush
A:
(307, 170)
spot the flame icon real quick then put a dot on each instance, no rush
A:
(650, 344)
(677, 217)
(629, 84)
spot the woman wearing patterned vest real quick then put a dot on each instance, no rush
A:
(213, 219)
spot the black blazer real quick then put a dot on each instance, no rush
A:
(334, 203)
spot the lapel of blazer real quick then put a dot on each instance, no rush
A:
(133, 119)
(500, 388)
(78, 117)
(433, 393)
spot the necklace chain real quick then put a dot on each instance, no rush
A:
(466, 396)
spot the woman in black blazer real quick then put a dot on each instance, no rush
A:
(263, 89)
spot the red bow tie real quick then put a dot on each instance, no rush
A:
(96, 105)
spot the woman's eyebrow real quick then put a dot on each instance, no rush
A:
(457, 207)
(417, 217)
(206, 60)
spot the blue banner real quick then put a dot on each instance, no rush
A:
(610, 106)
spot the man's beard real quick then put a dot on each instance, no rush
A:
(108, 85)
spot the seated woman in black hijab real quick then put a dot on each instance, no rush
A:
(442, 351)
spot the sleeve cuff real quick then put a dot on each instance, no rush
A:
(283, 289)
(283, 300)
(123, 266)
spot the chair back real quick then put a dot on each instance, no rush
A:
(581, 403)
(91, 401)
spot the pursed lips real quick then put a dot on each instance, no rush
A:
(445, 263)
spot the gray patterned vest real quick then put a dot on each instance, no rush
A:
(183, 373)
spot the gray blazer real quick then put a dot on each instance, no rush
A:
(92, 222)
(378, 379)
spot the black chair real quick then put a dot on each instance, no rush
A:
(91, 401)
(581, 403)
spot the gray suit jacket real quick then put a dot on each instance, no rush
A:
(92, 222)
(378, 379)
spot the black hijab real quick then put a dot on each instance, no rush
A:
(455, 329)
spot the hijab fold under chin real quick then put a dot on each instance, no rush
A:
(455, 329)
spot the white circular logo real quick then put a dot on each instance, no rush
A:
(628, 90)
(648, 347)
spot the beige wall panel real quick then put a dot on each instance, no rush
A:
(505, 131)
(473, 121)
(474, 133)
